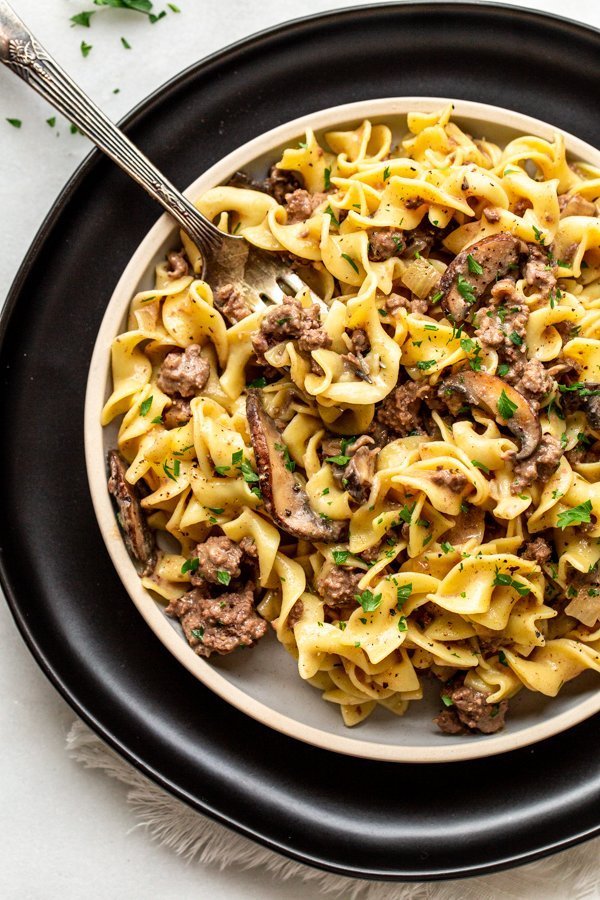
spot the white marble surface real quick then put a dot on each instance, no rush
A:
(66, 832)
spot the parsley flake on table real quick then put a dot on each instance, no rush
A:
(16, 123)
(82, 18)
(85, 49)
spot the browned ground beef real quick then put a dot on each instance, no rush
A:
(178, 413)
(281, 182)
(221, 624)
(471, 709)
(290, 321)
(532, 380)
(300, 204)
(360, 341)
(538, 550)
(229, 299)
(540, 274)
(502, 325)
(400, 410)
(395, 302)
(295, 613)
(338, 585)
(249, 548)
(184, 373)
(385, 243)
(217, 554)
(539, 466)
(178, 265)
(455, 480)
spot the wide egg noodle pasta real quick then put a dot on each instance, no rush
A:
(436, 544)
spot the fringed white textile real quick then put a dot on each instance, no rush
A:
(571, 875)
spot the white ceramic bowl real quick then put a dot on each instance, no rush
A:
(264, 683)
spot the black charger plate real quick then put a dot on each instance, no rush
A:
(353, 816)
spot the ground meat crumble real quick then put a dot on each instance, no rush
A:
(290, 321)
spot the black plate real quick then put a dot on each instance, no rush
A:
(349, 815)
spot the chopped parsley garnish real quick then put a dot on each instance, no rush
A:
(16, 123)
(506, 407)
(327, 179)
(248, 473)
(480, 465)
(173, 8)
(85, 49)
(406, 513)
(431, 328)
(369, 601)
(339, 460)
(126, 43)
(474, 267)
(539, 236)
(223, 577)
(288, 461)
(350, 262)
(82, 18)
(329, 212)
(465, 289)
(221, 470)
(515, 339)
(340, 556)
(258, 382)
(386, 173)
(171, 473)
(502, 658)
(158, 420)
(190, 565)
(198, 633)
(217, 510)
(447, 701)
(425, 364)
(145, 406)
(503, 579)
(437, 297)
(51, 121)
(577, 515)
(237, 457)
(502, 369)
(402, 626)
(580, 387)
(403, 592)
(447, 547)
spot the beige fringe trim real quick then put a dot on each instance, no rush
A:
(571, 875)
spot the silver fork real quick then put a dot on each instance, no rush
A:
(224, 257)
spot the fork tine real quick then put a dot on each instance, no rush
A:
(296, 284)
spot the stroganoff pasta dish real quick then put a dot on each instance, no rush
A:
(402, 482)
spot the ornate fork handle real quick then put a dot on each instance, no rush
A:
(21, 52)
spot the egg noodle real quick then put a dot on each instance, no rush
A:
(461, 536)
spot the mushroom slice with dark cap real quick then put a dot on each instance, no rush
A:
(139, 539)
(486, 391)
(285, 499)
(465, 280)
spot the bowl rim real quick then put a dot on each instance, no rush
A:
(470, 747)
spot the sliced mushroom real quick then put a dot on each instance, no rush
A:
(584, 398)
(139, 539)
(358, 474)
(285, 499)
(495, 254)
(485, 391)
